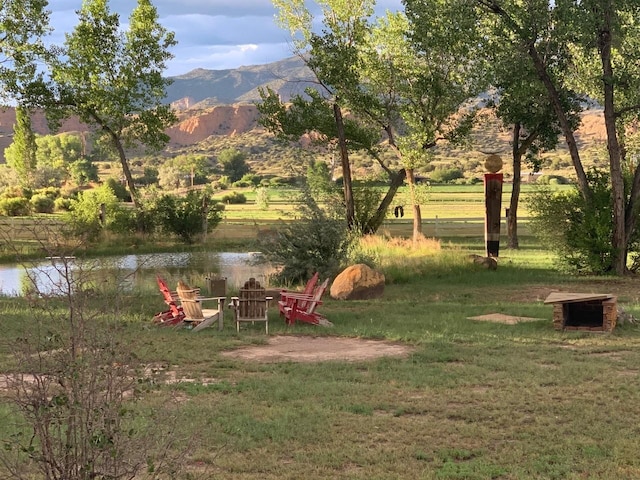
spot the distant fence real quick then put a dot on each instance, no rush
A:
(450, 227)
(29, 228)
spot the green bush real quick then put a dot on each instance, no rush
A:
(85, 216)
(317, 242)
(15, 206)
(577, 231)
(552, 180)
(234, 198)
(184, 216)
(118, 189)
(51, 192)
(41, 203)
(445, 175)
(62, 204)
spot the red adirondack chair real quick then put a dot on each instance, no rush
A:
(307, 314)
(175, 314)
(286, 299)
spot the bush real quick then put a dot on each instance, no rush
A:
(184, 216)
(51, 192)
(42, 203)
(62, 204)
(445, 175)
(234, 198)
(317, 241)
(118, 189)
(552, 180)
(15, 206)
(85, 216)
(579, 232)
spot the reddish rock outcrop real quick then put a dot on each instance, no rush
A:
(221, 120)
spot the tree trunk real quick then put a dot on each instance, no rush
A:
(417, 214)
(126, 170)
(346, 167)
(512, 218)
(618, 239)
(373, 224)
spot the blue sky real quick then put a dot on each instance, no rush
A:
(211, 34)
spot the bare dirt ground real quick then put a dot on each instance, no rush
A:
(318, 349)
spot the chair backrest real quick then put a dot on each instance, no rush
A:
(168, 295)
(311, 284)
(188, 296)
(317, 296)
(164, 289)
(252, 302)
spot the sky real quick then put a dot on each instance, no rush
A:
(211, 34)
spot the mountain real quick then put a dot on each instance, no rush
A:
(202, 88)
(216, 110)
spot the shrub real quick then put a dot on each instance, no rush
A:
(579, 232)
(445, 175)
(118, 189)
(85, 216)
(234, 198)
(62, 204)
(262, 198)
(185, 216)
(317, 241)
(15, 206)
(42, 203)
(51, 192)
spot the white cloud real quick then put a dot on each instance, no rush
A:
(211, 34)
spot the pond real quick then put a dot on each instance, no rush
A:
(136, 271)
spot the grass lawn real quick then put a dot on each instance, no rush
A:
(473, 400)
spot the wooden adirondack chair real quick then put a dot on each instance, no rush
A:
(251, 305)
(191, 303)
(307, 314)
(175, 314)
(287, 301)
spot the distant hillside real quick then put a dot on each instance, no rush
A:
(202, 88)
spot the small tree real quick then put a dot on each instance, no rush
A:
(78, 382)
(577, 230)
(234, 164)
(318, 241)
(21, 154)
(187, 217)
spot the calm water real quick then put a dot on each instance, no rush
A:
(133, 271)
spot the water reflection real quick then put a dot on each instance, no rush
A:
(132, 271)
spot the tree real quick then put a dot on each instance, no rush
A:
(234, 163)
(113, 81)
(397, 86)
(520, 101)
(418, 73)
(333, 59)
(23, 24)
(576, 32)
(21, 154)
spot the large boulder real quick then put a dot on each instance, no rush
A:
(357, 282)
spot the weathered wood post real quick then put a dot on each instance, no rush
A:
(493, 201)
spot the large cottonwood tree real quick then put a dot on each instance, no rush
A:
(582, 31)
(112, 79)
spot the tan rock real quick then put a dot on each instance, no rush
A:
(489, 263)
(357, 282)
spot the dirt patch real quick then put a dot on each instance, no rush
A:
(318, 349)
(502, 318)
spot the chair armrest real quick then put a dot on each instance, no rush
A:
(298, 296)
